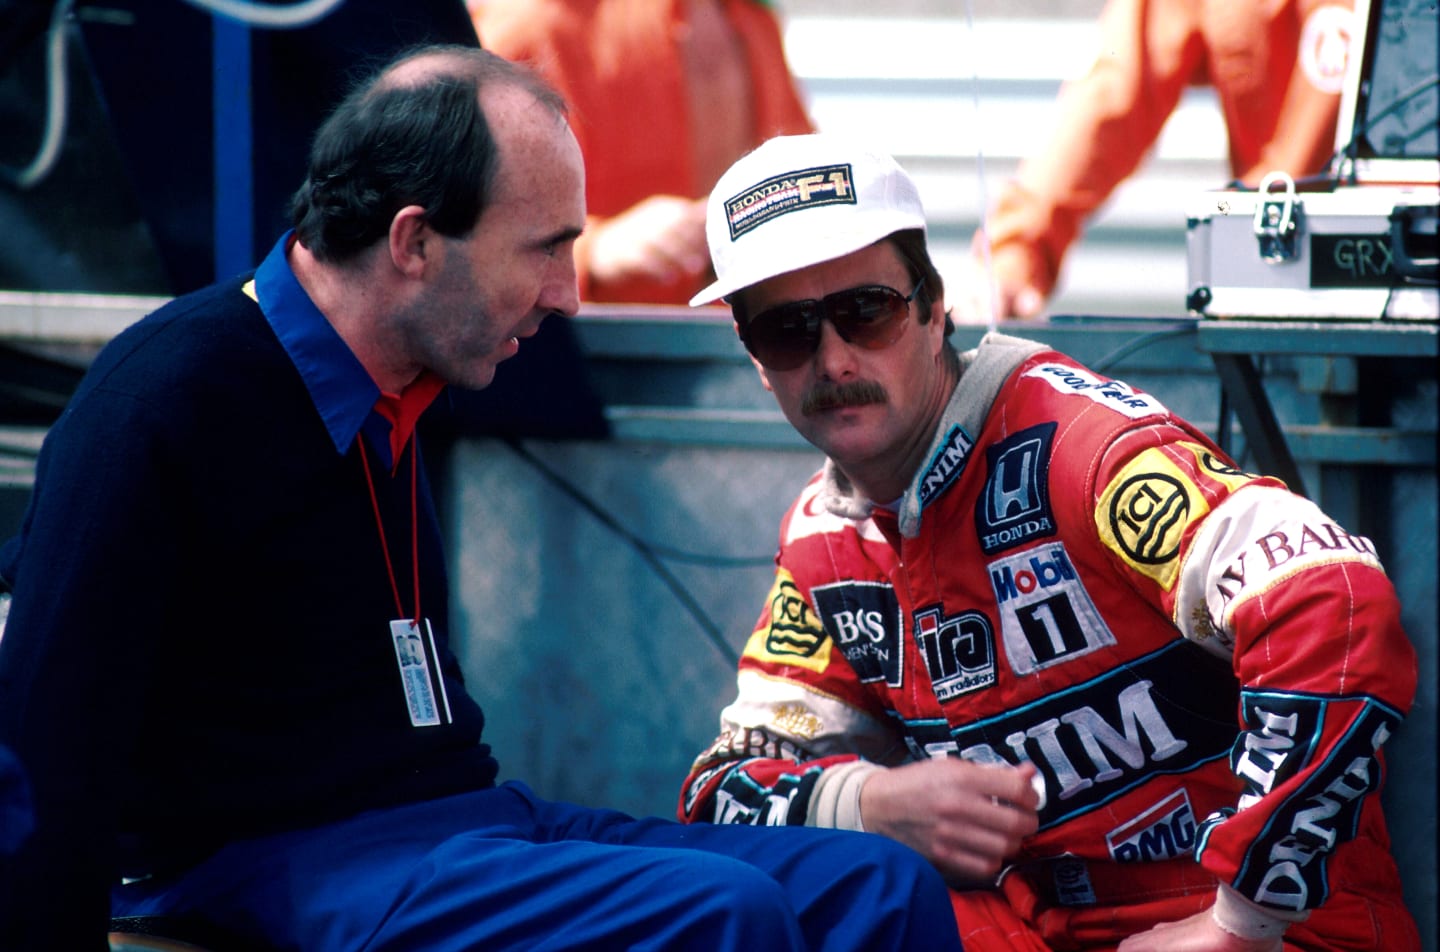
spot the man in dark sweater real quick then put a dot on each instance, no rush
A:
(226, 670)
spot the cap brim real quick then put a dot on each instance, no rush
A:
(808, 248)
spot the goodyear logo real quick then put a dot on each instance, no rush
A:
(1114, 394)
(789, 633)
(1145, 511)
(791, 192)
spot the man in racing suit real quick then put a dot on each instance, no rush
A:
(1013, 571)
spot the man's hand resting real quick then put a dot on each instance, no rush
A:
(1199, 933)
(966, 818)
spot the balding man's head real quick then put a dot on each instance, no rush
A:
(413, 134)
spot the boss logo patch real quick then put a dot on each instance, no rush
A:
(791, 192)
(1014, 506)
(1046, 616)
(959, 651)
(863, 619)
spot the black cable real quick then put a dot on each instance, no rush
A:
(651, 554)
(1144, 340)
(1361, 131)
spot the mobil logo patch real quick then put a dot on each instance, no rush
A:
(1165, 831)
(863, 620)
(1046, 616)
(1014, 505)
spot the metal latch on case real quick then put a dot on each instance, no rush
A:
(1276, 215)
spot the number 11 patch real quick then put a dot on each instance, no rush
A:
(420, 673)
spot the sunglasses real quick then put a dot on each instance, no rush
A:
(871, 316)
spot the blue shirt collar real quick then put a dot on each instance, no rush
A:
(340, 387)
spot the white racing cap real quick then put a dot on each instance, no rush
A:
(800, 200)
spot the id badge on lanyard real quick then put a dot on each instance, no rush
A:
(421, 678)
(420, 673)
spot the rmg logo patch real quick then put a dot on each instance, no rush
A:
(1165, 831)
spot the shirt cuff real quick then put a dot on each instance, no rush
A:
(835, 801)
(1248, 920)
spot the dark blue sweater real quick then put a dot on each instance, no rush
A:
(199, 645)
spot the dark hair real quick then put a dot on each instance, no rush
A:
(916, 253)
(392, 143)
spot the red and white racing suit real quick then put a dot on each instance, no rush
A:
(1201, 665)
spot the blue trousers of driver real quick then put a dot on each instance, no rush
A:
(503, 869)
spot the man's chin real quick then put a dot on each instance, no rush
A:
(477, 376)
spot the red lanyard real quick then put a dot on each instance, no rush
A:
(380, 527)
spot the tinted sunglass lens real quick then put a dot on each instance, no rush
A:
(784, 337)
(869, 316)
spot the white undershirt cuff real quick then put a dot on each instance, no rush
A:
(835, 801)
(1248, 920)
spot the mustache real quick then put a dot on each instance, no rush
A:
(828, 396)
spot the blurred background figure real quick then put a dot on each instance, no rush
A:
(1276, 68)
(664, 95)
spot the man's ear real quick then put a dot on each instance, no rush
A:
(938, 320)
(413, 244)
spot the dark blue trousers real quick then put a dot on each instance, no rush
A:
(503, 869)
